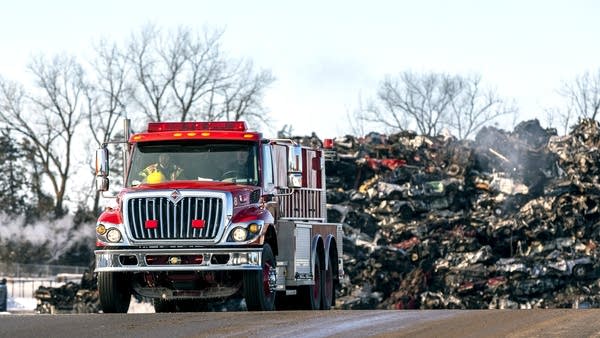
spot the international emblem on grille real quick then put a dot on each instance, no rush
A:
(175, 196)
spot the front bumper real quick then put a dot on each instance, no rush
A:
(144, 260)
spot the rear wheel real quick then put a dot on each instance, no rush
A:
(259, 286)
(328, 291)
(310, 295)
(114, 292)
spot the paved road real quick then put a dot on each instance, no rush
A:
(441, 323)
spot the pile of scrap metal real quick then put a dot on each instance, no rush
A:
(70, 297)
(508, 220)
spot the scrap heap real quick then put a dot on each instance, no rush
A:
(508, 220)
(70, 297)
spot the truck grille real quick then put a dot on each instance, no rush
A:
(160, 218)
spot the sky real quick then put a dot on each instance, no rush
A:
(326, 56)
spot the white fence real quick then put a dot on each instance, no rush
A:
(22, 280)
(37, 270)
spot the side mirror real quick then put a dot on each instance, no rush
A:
(102, 169)
(101, 183)
(295, 180)
(295, 167)
(102, 162)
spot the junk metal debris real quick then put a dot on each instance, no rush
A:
(508, 220)
(71, 297)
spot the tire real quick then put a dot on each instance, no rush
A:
(191, 305)
(114, 292)
(327, 301)
(580, 271)
(310, 295)
(257, 291)
(162, 305)
(284, 302)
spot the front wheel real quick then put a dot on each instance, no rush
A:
(259, 286)
(114, 292)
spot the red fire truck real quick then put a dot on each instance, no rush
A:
(210, 211)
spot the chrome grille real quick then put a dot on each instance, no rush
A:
(174, 220)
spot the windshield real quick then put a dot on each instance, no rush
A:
(194, 160)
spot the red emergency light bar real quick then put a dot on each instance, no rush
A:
(154, 127)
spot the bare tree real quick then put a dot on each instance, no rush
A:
(355, 122)
(559, 118)
(198, 66)
(583, 95)
(184, 75)
(152, 75)
(473, 107)
(430, 102)
(13, 113)
(242, 94)
(414, 100)
(107, 95)
(48, 118)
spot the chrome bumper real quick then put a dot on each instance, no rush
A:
(135, 260)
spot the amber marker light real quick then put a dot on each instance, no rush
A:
(138, 137)
(177, 134)
(191, 134)
(253, 228)
(248, 135)
(101, 229)
(205, 134)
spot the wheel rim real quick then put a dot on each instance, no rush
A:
(267, 287)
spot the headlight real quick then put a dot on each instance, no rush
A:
(239, 234)
(113, 235)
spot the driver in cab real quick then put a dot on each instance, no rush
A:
(238, 168)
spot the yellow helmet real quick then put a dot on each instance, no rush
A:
(155, 177)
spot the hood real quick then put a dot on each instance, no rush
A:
(242, 195)
(192, 185)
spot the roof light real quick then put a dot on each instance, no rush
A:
(154, 127)
(328, 143)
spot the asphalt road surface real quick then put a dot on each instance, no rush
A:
(433, 323)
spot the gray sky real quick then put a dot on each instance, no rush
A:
(327, 54)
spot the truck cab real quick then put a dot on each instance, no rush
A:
(211, 210)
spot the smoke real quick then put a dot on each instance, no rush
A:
(57, 237)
